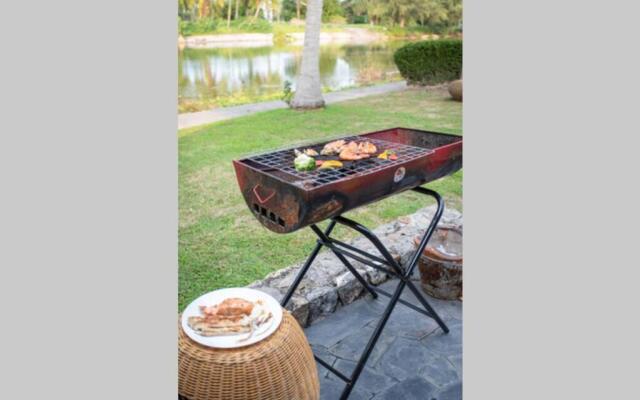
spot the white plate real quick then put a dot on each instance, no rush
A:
(233, 341)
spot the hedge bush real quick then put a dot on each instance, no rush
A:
(198, 27)
(430, 62)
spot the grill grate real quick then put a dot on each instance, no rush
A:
(282, 160)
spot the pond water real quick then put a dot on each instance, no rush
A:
(253, 73)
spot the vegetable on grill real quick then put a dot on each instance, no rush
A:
(330, 164)
(388, 155)
(304, 163)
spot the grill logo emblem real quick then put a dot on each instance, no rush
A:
(399, 175)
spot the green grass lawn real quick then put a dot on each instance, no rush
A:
(221, 244)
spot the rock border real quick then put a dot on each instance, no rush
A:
(328, 285)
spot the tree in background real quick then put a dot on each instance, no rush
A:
(187, 9)
(435, 14)
(330, 9)
(401, 10)
(204, 9)
(426, 15)
(308, 92)
(430, 12)
(293, 9)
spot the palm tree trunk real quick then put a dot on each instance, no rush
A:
(298, 8)
(229, 14)
(258, 4)
(308, 92)
(237, 5)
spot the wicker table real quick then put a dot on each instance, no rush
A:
(281, 367)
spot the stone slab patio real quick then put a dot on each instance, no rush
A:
(413, 359)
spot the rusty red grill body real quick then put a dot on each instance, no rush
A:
(285, 200)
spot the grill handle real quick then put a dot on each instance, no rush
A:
(260, 199)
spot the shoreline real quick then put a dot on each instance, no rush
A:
(348, 35)
(193, 119)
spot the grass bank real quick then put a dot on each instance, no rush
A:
(221, 244)
(247, 25)
(201, 104)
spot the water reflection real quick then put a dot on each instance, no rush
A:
(255, 72)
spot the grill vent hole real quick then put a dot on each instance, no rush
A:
(268, 214)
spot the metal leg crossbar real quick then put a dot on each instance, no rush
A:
(387, 264)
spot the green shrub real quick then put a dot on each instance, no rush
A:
(197, 27)
(279, 36)
(337, 19)
(430, 62)
(287, 93)
(330, 8)
(249, 25)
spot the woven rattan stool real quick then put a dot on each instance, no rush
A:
(280, 367)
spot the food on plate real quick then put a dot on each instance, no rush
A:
(231, 316)
(330, 164)
(304, 163)
(388, 155)
(332, 148)
(229, 307)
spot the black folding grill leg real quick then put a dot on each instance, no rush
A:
(324, 238)
(306, 265)
(427, 306)
(416, 256)
(372, 341)
(405, 280)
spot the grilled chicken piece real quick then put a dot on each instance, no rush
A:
(349, 155)
(229, 307)
(311, 152)
(354, 151)
(367, 147)
(218, 327)
(332, 148)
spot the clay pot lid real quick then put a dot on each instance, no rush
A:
(445, 245)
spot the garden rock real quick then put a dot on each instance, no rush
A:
(328, 280)
(299, 308)
(322, 300)
(455, 90)
(348, 287)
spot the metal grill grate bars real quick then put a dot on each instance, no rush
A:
(282, 160)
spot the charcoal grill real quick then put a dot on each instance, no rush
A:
(285, 200)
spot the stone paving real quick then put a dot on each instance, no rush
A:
(413, 359)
